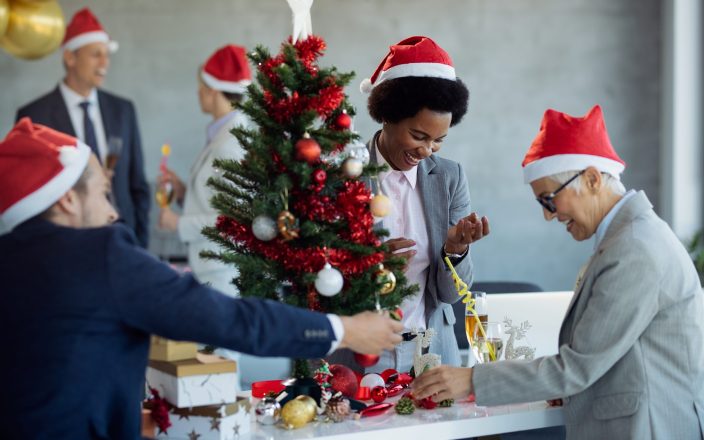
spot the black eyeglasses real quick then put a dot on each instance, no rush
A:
(547, 201)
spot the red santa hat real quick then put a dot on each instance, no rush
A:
(227, 70)
(85, 28)
(567, 143)
(414, 56)
(38, 165)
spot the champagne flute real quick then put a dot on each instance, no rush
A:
(478, 303)
(165, 190)
(489, 340)
(114, 152)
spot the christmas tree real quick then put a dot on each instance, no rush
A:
(298, 210)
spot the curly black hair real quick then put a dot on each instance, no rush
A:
(397, 99)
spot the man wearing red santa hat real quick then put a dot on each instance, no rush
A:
(630, 362)
(80, 299)
(103, 121)
(222, 81)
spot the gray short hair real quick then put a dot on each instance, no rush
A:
(610, 182)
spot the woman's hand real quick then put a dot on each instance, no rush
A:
(396, 244)
(444, 382)
(177, 184)
(465, 232)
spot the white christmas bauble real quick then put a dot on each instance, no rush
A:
(329, 281)
(358, 151)
(352, 168)
(372, 380)
(264, 227)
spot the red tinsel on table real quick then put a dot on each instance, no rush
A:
(160, 410)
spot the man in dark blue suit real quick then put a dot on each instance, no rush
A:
(105, 122)
(80, 299)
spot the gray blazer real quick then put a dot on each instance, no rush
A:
(631, 355)
(445, 196)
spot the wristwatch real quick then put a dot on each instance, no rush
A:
(452, 256)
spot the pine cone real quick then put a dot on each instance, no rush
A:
(338, 408)
(446, 403)
(405, 406)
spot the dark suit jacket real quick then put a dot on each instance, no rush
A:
(78, 306)
(129, 185)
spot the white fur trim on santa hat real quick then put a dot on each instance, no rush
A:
(433, 70)
(91, 37)
(74, 160)
(559, 163)
(225, 86)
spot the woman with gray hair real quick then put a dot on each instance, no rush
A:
(630, 362)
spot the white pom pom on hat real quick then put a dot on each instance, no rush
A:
(414, 56)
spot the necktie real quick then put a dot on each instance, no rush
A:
(89, 130)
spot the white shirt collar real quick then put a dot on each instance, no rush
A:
(73, 99)
(410, 175)
(606, 221)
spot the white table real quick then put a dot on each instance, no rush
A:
(461, 420)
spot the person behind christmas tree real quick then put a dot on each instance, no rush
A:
(417, 97)
(80, 299)
(630, 362)
(222, 81)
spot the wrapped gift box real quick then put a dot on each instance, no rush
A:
(212, 422)
(205, 380)
(166, 350)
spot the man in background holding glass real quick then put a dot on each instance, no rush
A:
(630, 362)
(103, 121)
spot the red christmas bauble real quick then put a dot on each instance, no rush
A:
(343, 380)
(319, 176)
(307, 149)
(366, 360)
(379, 394)
(343, 121)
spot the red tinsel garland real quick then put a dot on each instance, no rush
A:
(297, 260)
(160, 410)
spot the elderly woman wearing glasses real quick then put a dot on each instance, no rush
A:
(630, 362)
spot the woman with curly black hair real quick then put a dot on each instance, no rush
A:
(417, 97)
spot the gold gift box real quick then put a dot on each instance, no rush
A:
(162, 349)
(193, 367)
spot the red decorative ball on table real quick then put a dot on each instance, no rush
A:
(343, 380)
(366, 360)
(307, 149)
(343, 121)
(379, 394)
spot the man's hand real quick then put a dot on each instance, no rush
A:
(401, 243)
(168, 220)
(444, 382)
(370, 332)
(465, 232)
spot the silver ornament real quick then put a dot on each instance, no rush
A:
(268, 411)
(358, 150)
(352, 168)
(264, 227)
(329, 281)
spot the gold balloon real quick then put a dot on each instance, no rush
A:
(4, 16)
(298, 412)
(34, 29)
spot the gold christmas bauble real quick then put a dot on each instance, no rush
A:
(380, 206)
(352, 168)
(34, 29)
(386, 280)
(299, 411)
(286, 223)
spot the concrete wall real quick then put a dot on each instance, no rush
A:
(518, 58)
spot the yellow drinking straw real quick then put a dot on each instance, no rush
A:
(466, 295)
